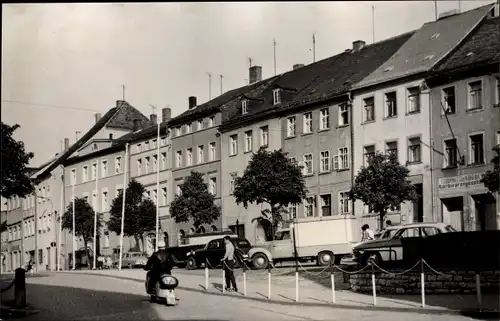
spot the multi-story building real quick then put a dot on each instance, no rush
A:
(4, 235)
(466, 129)
(391, 108)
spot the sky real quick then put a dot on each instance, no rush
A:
(62, 63)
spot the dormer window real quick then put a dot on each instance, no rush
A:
(276, 96)
(244, 106)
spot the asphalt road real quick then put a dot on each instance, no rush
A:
(84, 297)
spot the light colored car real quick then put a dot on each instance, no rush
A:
(134, 259)
(388, 246)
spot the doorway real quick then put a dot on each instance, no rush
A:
(452, 211)
(418, 205)
(485, 212)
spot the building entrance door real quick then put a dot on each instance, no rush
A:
(485, 212)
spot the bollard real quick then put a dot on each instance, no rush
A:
(206, 274)
(478, 290)
(244, 280)
(422, 282)
(223, 278)
(332, 280)
(296, 286)
(269, 280)
(373, 285)
(20, 288)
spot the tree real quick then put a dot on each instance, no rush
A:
(195, 203)
(274, 179)
(140, 213)
(84, 222)
(383, 184)
(491, 178)
(15, 175)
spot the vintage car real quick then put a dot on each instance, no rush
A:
(214, 251)
(388, 247)
(134, 259)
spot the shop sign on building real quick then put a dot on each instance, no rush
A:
(462, 181)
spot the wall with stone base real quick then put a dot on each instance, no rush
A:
(451, 282)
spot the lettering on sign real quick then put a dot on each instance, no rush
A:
(461, 181)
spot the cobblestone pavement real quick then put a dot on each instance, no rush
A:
(83, 297)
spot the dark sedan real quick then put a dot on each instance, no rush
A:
(214, 251)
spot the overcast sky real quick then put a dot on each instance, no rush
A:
(77, 56)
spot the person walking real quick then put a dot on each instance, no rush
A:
(229, 262)
(367, 234)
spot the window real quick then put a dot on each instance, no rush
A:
(104, 168)
(178, 190)
(290, 126)
(85, 173)
(178, 131)
(94, 200)
(276, 96)
(326, 205)
(244, 106)
(155, 163)
(199, 124)
(155, 196)
(164, 196)
(233, 145)
(498, 137)
(369, 109)
(73, 176)
(449, 101)
(178, 159)
(154, 143)
(324, 119)
(450, 153)
(139, 167)
(369, 151)
(94, 171)
(147, 194)
(189, 157)
(248, 141)
(391, 108)
(211, 121)
(344, 203)
(414, 150)
(309, 207)
(292, 212)
(476, 144)
(308, 164)
(163, 141)
(413, 100)
(308, 123)
(146, 145)
(106, 239)
(212, 151)
(188, 128)
(231, 184)
(475, 95)
(104, 199)
(341, 161)
(86, 196)
(293, 160)
(264, 136)
(163, 160)
(118, 164)
(343, 115)
(201, 154)
(324, 161)
(391, 148)
(213, 185)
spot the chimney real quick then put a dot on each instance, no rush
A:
(166, 114)
(154, 119)
(192, 102)
(255, 74)
(358, 45)
(137, 124)
(297, 66)
(110, 135)
(66, 144)
(119, 103)
(97, 117)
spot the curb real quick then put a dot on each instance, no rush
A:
(335, 306)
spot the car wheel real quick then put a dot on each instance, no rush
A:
(190, 263)
(324, 258)
(260, 261)
(372, 257)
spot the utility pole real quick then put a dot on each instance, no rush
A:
(314, 47)
(436, 9)
(221, 91)
(209, 85)
(274, 52)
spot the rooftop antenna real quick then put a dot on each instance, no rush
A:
(209, 85)
(274, 52)
(373, 22)
(314, 47)
(123, 92)
(221, 91)
(436, 9)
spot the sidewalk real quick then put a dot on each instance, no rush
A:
(316, 295)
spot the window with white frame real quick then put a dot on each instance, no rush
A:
(104, 200)
(244, 106)
(104, 168)
(343, 115)
(213, 185)
(307, 117)
(276, 96)
(94, 171)
(308, 164)
(326, 204)
(178, 159)
(324, 119)
(212, 151)
(139, 167)
(164, 196)
(391, 149)
(163, 141)
(413, 100)
(118, 164)
(155, 196)
(475, 95)
(154, 143)
(290, 126)
(155, 163)
(344, 203)
(414, 150)
(449, 101)
(188, 128)
(324, 161)
(309, 207)
(147, 194)
(178, 131)
(201, 154)
(178, 190)
(146, 164)
(163, 160)
(293, 159)
(189, 157)
(368, 153)
(233, 145)
(85, 173)
(391, 107)
(368, 109)
(476, 149)
(248, 141)
(232, 182)
(73, 176)
(211, 121)
(139, 148)
(264, 136)
(106, 239)
(450, 153)
(342, 159)
(94, 201)
(146, 146)
(292, 212)
(199, 124)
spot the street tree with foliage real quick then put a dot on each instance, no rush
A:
(383, 185)
(491, 178)
(140, 213)
(195, 204)
(14, 172)
(84, 222)
(274, 179)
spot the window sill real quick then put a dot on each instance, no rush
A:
(247, 152)
(308, 175)
(264, 146)
(391, 117)
(342, 170)
(231, 155)
(413, 112)
(475, 165)
(324, 172)
(323, 130)
(306, 134)
(368, 122)
(342, 126)
(449, 115)
(290, 137)
(448, 168)
(414, 163)
(475, 110)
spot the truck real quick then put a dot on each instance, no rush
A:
(319, 239)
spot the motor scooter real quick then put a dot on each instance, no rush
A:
(164, 289)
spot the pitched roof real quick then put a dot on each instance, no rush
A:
(148, 132)
(428, 45)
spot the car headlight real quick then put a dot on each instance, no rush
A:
(245, 256)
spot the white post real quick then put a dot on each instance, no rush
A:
(123, 207)
(332, 280)
(296, 286)
(223, 279)
(206, 277)
(269, 285)
(244, 283)
(478, 290)
(374, 290)
(74, 225)
(422, 288)
(157, 186)
(95, 210)
(59, 236)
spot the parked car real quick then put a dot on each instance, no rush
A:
(388, 247)
(134, 259)
(214, 252)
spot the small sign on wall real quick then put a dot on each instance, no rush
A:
(470, 180)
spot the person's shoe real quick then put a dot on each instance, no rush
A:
(228, 289)
(235, 289)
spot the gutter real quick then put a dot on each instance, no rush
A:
(351, 129)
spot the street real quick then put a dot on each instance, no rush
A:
(85, 297)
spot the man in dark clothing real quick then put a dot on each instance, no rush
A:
(229, 263)
(158, 263)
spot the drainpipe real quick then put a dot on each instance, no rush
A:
(351, 129)
(431, 160)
